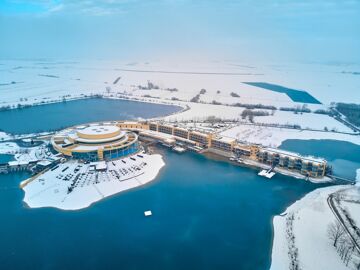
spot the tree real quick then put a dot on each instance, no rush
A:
(251, 118)
(335, 232)
(212, 119)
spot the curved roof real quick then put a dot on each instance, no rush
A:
(98, 131)
(92, 137)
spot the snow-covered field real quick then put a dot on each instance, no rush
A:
(28, 82)
(312, 216)
(200, 112)
(51, 190)
(273, 137)
(4, 136)
(35, 79)
(10, 148)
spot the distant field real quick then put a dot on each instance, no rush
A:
(351, 111)
(295, 95)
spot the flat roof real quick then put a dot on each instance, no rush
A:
(224, 139)
(292, 154)
(199, 133)
(16, 163)
(98, 130)
(44, 163)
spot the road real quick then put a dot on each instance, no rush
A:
(330, 201)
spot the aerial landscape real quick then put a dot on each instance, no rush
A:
(180, 134)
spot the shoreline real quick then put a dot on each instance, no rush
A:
(312, 218)
(37, 192)
(283, 133)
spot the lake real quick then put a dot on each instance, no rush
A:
(60, 115)
(294, 94)
(207, 214)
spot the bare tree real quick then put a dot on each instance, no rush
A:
(335, 232)
(251, 118)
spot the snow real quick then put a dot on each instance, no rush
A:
(354, 209)
(200, 112)
(41, 81)
(312, 217)
(273, 137)
(99, 130)
(48, 81)
(4, 136)
(9, 148)
(47, 190)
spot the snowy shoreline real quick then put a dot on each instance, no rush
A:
(311, 217)
(50, 190)
(251, 133)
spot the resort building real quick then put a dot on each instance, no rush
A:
(199, 141)
(246, 150)
(153, 126)
(165, 129)
(96, 142)
(132, 125)
(309, 166)
(181, 132)
(202, 139)
(223, 143)
(106, 141)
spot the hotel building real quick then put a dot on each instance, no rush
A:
(96, 142)
(106, 141)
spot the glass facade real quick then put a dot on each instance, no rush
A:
(109, 154)
(118, 153)
(90, 156)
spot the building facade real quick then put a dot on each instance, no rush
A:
(96, 142)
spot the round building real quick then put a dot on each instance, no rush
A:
(96, 142)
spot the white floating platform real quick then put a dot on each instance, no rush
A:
(179, 149)
(148, 213)
(266, 174)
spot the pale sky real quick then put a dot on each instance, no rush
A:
(279, 30)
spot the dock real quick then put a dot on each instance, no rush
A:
(148, 213)
(179, 149)
(267, 173)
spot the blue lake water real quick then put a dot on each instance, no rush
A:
(207, 214)
(295, 95)
(64, 114)
(6, 158)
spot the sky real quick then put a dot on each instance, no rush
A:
(244, 30)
